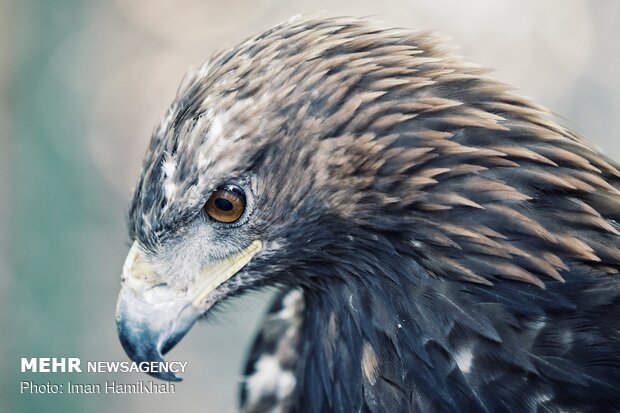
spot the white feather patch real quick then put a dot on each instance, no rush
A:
(464, 359)
(269, 378)
(289, 305)
(169, 166)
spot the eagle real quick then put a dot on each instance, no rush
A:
(438, 243)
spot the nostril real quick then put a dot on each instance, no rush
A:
(160, 287)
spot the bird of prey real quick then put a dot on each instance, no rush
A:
(439, 243)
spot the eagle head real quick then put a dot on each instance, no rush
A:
(266, 170)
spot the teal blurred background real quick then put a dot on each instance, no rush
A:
(82, 84)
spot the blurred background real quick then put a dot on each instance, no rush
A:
(83, 83)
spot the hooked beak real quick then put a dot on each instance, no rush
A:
(152, 316)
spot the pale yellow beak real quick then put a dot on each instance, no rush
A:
(152, 316)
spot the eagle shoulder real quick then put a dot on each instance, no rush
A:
(269, 377)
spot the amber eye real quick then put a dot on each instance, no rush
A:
(226, 204)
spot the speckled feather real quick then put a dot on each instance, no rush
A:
(457, 249)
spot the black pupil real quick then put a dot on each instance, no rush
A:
(223, 204)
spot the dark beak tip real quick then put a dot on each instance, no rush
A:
(142, 348)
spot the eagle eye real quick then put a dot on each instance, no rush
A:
(226, 204)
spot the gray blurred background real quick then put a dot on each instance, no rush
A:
(83, 83)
